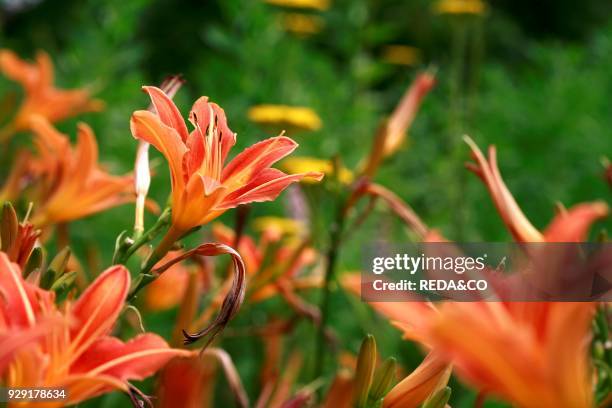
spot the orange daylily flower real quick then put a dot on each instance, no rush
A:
(202, 186)
(70, 183)
(534, 355)
(571, 225)
(531, 354)
(41, 97)
(75, 350)
(430, 376)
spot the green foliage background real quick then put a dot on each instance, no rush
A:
(535, 80)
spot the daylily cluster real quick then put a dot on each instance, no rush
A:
(71, 346)
(63, 182)
(51, 339)
(60, 329)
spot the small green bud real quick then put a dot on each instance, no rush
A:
(56, 268)
(35, 261)
(384, 377)
(439, 399)
(364, 373)
(64, 284)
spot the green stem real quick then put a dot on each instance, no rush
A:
(336, 230)
(145, 277)
(146, 237)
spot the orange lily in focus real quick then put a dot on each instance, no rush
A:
(70, 183)
(202, 186)
(75, 350)
(41, 97)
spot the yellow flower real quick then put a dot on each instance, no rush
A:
(279, 226)
(476, 7)
(401, 55)
(301, 24)
(313, 164)
(304, 4)
(282, 116)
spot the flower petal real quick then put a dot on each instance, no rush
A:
(98, 307)
(200, 117)
(148, 127)
(573, 225)
(431, 375)
(167, 111)
(27, 74)
(517, 223)
(265, 186)
(256, 158)
(20, 302)
(134, 360)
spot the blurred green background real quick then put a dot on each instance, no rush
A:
(534, 78)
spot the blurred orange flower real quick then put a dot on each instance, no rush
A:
(430, 376)
(41, 97)
(393, 132)
(21, 169)
(69, 182)
(74, 350)
(190, 382)
(568, 226)
(534, 355)
(281, 273)
(202, 186)
(169, 288)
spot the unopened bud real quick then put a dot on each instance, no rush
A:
(142, 181)
(364, 373)
(9, 226)
(384, 377)
(56, 269)
(34, 262)
(438, 399)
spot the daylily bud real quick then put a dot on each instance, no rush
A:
(35, 261)
(142, 181)
(438, 399)
(64, 284)
(384, 377)
(364, 373)
(9, 226)
(56, 268)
